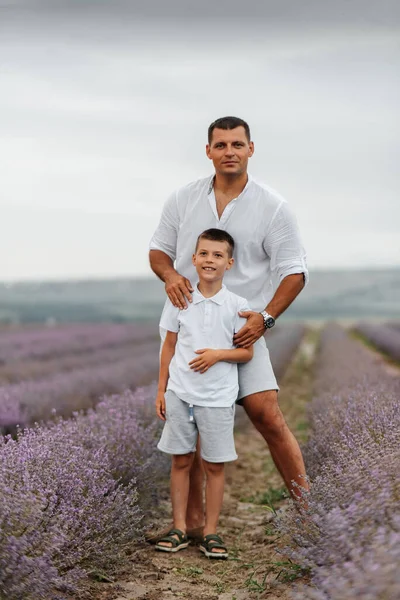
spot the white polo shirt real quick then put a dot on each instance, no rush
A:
(267, 239)
(206, 323)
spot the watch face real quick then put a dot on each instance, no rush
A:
(270, 322)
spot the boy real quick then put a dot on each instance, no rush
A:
(198, 386)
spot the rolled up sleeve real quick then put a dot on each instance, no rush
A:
(165, 236)
(283, 245)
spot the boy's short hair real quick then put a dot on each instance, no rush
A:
(217, 235)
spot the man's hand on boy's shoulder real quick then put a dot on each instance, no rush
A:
(179, 289)
(160, 405)
(206, 359)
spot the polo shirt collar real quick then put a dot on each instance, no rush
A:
(219, 298)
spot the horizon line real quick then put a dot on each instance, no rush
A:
(110, 278)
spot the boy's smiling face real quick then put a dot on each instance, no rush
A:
(212, 259)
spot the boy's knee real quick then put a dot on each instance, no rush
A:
(213, 468)
(182, 461)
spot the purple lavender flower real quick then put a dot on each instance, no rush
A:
(349, 536)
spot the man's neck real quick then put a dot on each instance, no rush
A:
(209, 288)
(230, 184)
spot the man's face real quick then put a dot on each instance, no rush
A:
(230, 151)
(212, 260)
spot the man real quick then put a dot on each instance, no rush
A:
(269, 271)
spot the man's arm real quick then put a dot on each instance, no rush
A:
(283, 246)
(289, 288)
(163, 253)
(177, 287)
(167, 352)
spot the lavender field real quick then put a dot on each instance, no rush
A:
(385, 337)
(349, 537)
(78, 489)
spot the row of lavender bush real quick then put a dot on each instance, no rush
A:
(385, 337)
(282, 344)
(72, 494)
(37, 369)
(27, 401)
(67, 339)
(350, 535)
(62, 392)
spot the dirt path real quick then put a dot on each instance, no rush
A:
(255, 569)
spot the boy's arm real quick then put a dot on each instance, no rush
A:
(167, 352)
(237, 355)
(208, 357)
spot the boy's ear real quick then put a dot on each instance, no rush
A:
(194, 259)
(230, 264)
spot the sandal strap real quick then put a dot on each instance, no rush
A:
(169, 537)
(213, 540)
(213, 537)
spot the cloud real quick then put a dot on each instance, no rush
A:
(104, 112)
(284, 12)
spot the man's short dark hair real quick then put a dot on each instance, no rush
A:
(217, 235)
(228, 123)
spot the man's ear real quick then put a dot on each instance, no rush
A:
(208, 151)
(251, 149)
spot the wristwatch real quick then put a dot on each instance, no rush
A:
(268, 320)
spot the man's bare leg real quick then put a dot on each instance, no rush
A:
(263, 410)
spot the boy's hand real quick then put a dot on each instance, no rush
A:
(160, 406)
(208, 357)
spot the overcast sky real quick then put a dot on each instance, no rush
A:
(104, 109)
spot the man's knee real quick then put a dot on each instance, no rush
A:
(264, 412)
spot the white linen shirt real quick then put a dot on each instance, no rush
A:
(267, 239)
(206, 323)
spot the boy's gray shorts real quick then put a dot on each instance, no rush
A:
(213, 424)
(257, 375)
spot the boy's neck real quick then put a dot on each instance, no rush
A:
(209, 288)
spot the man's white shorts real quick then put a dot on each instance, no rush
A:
(214, 425)
(257, 375)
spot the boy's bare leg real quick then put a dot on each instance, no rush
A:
(180, 470)
(215, 482)
(195, 513)
(266, 416)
